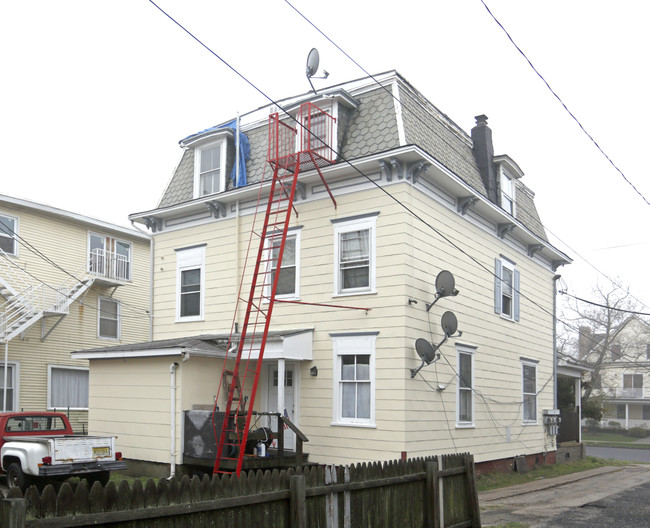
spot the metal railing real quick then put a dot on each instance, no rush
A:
(636, 393)
(109, 265)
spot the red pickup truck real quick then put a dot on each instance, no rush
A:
(41, 445)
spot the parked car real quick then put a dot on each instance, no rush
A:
(37, 446)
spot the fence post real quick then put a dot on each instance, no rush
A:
(13, 513)
(472, 495)
(297, 505)
(432, 505)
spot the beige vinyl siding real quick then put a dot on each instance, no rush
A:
(410, 415)
(65, 241)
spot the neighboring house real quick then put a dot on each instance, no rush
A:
(623, 379)
(66, 281)
(414, 195)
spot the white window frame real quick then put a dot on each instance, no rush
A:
(507, 188)
(293, 234)
(99, 318)
(468, 352)
(188, 259)
(112, 241)
(527, 420)
(50, 405)
(14, 384)
(13, 237)
(502, 264)
(329, 144)
(354, 344)
(221, 184)
(368, 223)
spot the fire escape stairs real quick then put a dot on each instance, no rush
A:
(25, 304)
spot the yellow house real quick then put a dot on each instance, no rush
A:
(412, 195)
(66, 282)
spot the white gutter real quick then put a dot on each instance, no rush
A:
(4, 390)
(172, 464)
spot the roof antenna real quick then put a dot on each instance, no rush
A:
(312, 67)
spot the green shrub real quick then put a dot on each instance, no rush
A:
(614, 425)
(637, 432)
(592, 425)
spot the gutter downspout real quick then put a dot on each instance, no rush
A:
(4, 389)
(555, 279)
(172, 464)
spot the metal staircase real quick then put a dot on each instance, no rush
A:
(241, 375)
(26, 303)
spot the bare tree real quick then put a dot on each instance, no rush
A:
(605, 330)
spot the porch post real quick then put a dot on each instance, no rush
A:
(280, 386)
(627, 416)
(578, 403)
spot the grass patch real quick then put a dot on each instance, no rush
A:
(607, 437)
(612, 440)
(501, 480)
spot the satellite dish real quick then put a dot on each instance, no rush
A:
(449, 323)
(425, 350)
(445, 283)
(313, 60)
(445, 286)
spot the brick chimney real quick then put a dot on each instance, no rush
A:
(484, 156)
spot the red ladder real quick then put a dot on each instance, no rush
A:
(242, 378)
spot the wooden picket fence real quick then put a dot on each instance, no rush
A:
(432, 492)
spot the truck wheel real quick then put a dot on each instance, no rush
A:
(15, 477)
(103, 477)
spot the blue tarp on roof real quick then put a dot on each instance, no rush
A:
(244, 151)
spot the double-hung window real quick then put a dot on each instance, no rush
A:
(68, 388)
(354, 379)
(507, 185)
(190, 283)
(632, 385)
(210, 164)
(11, 404)
(465, 397)
(8, 232)
(108, 315)
(529, 391)
(289, 280)
(506, 289)
(355, 255)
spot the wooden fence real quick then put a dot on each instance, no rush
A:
(569, 430)
(433, 492)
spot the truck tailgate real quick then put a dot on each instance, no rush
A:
(81, 448)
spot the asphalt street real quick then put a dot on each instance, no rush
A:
(601, 498)
(633, 455)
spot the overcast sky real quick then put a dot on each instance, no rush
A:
(96, 95)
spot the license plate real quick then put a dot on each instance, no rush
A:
(101, 451)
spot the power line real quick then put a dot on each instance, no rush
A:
(633, 312)
(563, 104)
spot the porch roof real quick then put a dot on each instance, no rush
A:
(293, 344)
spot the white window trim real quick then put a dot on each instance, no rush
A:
(15, 369)
(119, 318)
(515, 314)
(293, 232)
(356, 224)
(504, 174)
(526, 363)
(331, 143)
(189, 259)
(50, 407)
(352, 345)
(16, 232)
(222, 165)
(468, 352)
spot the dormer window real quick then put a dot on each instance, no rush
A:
(210, 168)
(508, 173)
(507, 193)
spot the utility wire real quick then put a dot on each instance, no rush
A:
(633, 312)
(562, 103)
(423, 107)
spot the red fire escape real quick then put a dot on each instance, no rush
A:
(287, 157)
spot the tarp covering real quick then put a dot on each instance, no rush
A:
(244, 155)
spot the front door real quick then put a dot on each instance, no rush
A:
(290, 381)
